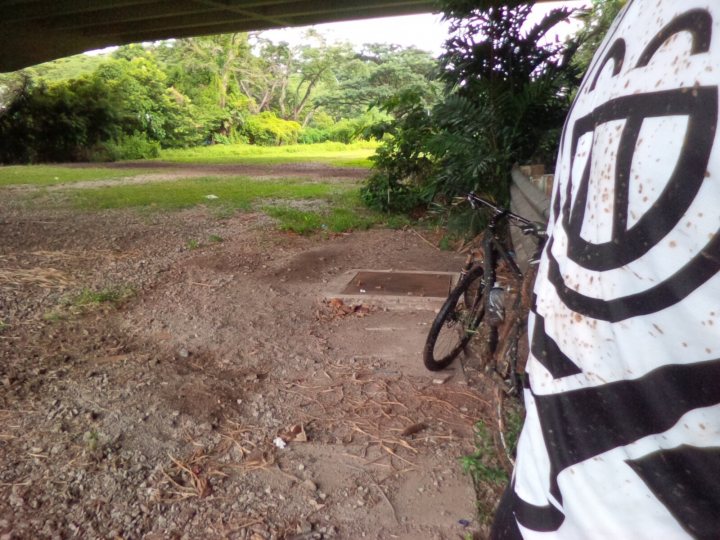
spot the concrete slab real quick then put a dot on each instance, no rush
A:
(395, 338)
(393, 289)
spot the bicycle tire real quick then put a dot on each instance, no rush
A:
(457, 320)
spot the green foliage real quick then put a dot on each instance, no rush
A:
(267, 129)
(88, 300)
(346, 130)
(146, 104)
(123, 109)
(224, 89)
(596, 21)
(110, 295)
(403, 164)
(59, 122)
(356, 154)
(135, 146)
(483, 464)
(506, 98)
(63, 69)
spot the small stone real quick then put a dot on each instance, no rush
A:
(301, 467)
(309, 485)
(183, 353)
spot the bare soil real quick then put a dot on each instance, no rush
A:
(164, 416)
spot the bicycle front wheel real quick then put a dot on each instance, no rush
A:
(456, 322)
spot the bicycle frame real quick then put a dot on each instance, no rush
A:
(494, 252)
(474, 296)
(492, 247)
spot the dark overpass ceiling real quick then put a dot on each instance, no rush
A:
(35, 31)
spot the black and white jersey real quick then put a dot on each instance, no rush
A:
(622, 436)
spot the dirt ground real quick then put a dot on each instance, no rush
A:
(222, 397)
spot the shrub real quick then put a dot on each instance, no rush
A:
(135, 146)
(311, 135)
(59, 122)
(267, 129)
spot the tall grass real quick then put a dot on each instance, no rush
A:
(356, 154)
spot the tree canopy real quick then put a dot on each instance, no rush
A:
(235, 87)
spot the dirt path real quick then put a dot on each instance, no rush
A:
(157, 419)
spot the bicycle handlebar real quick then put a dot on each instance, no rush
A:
(525, 225)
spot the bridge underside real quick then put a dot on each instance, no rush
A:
(35, 31)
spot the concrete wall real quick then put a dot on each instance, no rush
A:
(532, 203)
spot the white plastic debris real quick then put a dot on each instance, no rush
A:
(211, 197)
(279, 443)
(363, 291)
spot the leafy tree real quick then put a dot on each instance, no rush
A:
(59, 122)
(596, 21)
(221, 57)
(146, 105)
(507, 92)
(376, 74)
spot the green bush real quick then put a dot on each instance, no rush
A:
(59, 122)
(135, 146)
(312, 135)
(267, 129)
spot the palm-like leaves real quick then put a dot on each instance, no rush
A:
(507, 93)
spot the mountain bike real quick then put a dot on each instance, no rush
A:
(477, 304)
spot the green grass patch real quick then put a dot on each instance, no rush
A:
(112, 295)
(342, 155)
(334, 220)
(345, 213)
(49, 175)
(88, 300)
(485, 466)
(216, 193)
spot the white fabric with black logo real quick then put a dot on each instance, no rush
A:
(622, 437)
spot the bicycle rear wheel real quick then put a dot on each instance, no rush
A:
(456, 323)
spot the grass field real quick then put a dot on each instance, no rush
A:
(236, 193)
(331, 206)
(51, 175)
(342, 155)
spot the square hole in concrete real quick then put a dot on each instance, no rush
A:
(399, 284)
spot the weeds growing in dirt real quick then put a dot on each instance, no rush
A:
(305, 222)
(192, 244)
(215, 239)
(111, 295)
(489, 465)
(87, 300)
(483, 464)
(91, 439)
